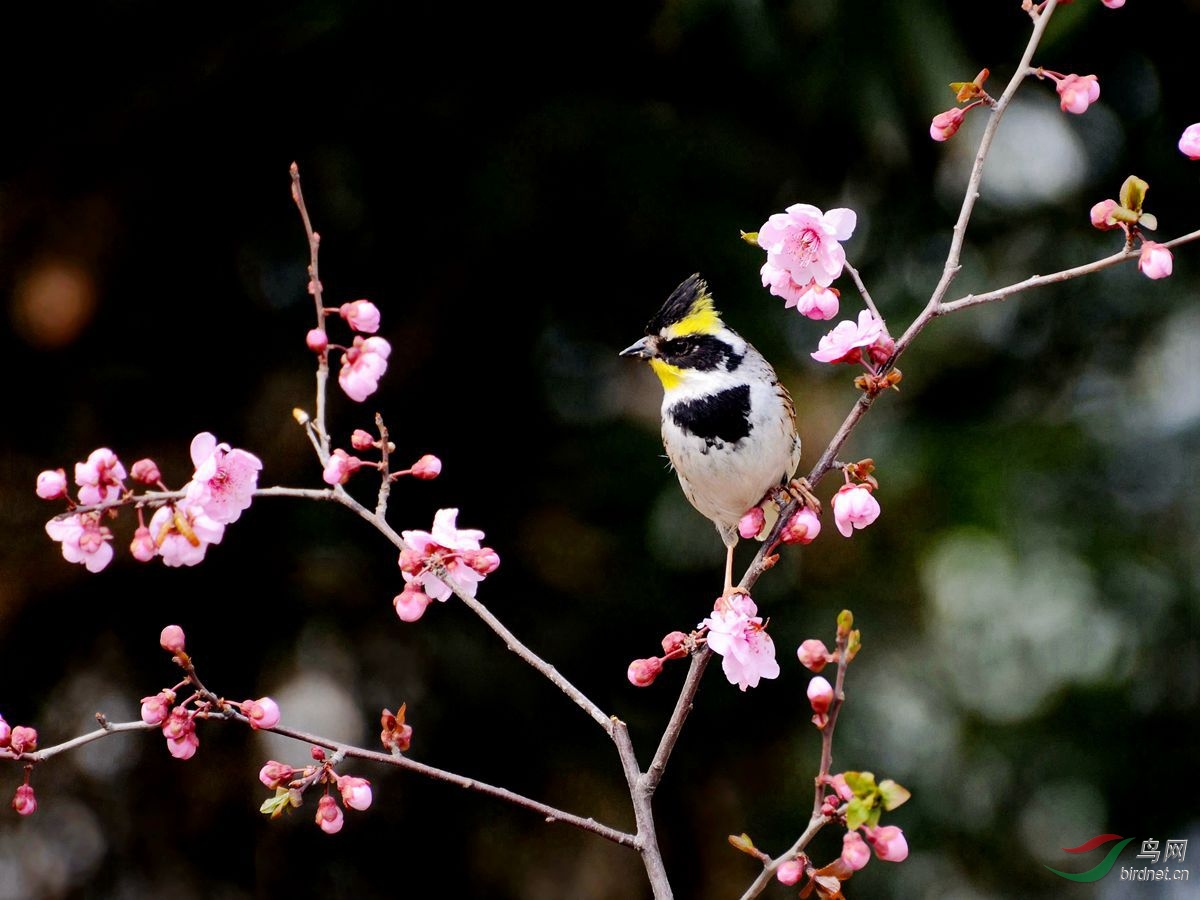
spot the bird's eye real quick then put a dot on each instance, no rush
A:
(684, 345)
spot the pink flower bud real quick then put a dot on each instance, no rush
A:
(142, 546)
(23, 740)
(854, 507)
(178, 724)
(1077, 92)
(889, 843)
(840, 787)
(814, 655)
(317, 753)
(945, 124)
(340, 467)
(411, 561)
(329, 815)
(855, 852)
(145, 471)
(1156, 260)
(427, 467)
(317, 340)
(24, 801)
(184, 747)
(1102, 217)
(752, 522)
(5, 733)
(820, 695)
(1113, 4)
(172, 639)
(362, 315)
(275, 774)
(1189, 142)
(156, 709)
(410, 604)
(790, 872)
(52, 484)
(485, 560)
(674, 642)
(361, 440)
(883, 348)
(642, 672)
(356, 792)
(802, 528)
(261, 713)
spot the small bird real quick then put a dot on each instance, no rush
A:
(728, 425)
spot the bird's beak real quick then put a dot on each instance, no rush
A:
(643, 349)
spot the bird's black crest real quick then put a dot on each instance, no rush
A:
(679, 304)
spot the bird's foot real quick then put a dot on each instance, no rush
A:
(801, 490)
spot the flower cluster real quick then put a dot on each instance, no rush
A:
(804, 256)
(180, 531)
(435, 563)
(290, 784)
(738, 635)
(1126, 213)
(365, 360)
(178, 720)
(342, 465)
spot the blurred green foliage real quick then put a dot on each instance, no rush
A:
(518, 187)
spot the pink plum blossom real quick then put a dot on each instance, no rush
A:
(101, 479)
(142, 546)
(820, 694)
(1077, 92)
(889, 843)
(363, 364)
(356, 792)
(145, 471)
(945, 124)
(855, 852)
(362, 440)
(172, 639)
(179, 728)
(183, 532)
(23, 739)
(184, 747)
(642, 672)
(340, 467)
(52, 484)
(275, 774)
(1189, 141)
(751, 523)
(736, 634)
(24, 801)
(804, 242)
(843, 343)
(84, 539)
(410, 604)
(5, 733)
(224, 481)
(854, 506)
(790, 871)
(817, 302)
(261, 713)
(802, 528)
(1113, 4)
(840, 787)
(779, 282)
(1102, 215)
(329, 815)
(814, 655)
(1156, 260)
(156, 709)
(427, 467)
(317, 340)
(361, 315)
(447, 548)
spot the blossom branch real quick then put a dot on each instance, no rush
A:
(862, 290)
(314, 288)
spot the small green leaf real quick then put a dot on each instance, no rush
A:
(273, 806)
(854, 645)
(893, 794)
(1133, 193)
(873, 817)
(1121, 214)
(845, 621)
(750, 237)
(862, 783)
(857, 813)
(742, 842)
(1148, 222)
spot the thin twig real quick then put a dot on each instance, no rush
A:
(314, 288)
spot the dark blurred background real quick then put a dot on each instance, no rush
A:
(518, 187)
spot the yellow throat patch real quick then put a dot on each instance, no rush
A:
(669, 375)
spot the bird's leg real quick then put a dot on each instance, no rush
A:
(802, 491)
(729, 588)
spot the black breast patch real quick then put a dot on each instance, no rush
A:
(722, 418)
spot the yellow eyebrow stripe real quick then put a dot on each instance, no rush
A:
(702, 318)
